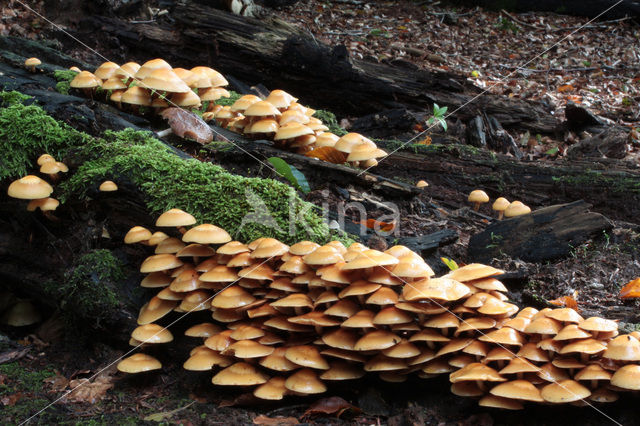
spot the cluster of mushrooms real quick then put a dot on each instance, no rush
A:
(501, 205)
(291, 319)
(157, 85)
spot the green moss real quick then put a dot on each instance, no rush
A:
(205, 190)
(12, 98)
(26, 132)
(230, 100)
(330, 120)
(24, 379)
(595, 178)
(87, 287)
(64, 78)
(26, 384)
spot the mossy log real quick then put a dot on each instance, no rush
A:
(279, 55)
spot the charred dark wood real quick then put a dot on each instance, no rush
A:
(279, 55)
(610, 143)
(545, 234)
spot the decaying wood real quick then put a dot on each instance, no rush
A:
(609, 143)
(288, 57)
(545, 234)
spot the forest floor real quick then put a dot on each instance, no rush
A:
(596, 67)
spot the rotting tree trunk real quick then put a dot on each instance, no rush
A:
(279, 55)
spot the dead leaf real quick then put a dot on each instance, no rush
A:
(10, 400)
(565, 88)
(274, 421)
(565, 301)
(85, 390)
(631, 290)
(378, 225)
(186, 124)
(162, 416)
(58, 382)
(328, 153)
(13, 355)
(425, 141)
(333, 406)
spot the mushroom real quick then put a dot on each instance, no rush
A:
(21, 314)
(32, 63)
(108, 186)
(29, 188)
(516, 208)
(477, 197)
(500, 205)
(422, 184)
(138, 363)
(87, 82)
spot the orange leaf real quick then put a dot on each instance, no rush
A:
(328, 153)
(566, 301)
(425, 141)
(377, 224)
(565, 88)
(631, 290)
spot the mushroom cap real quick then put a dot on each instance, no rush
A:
(165, 80)
(214, 76)
(598, 324)
(175, 218)
(186, 99)
(623, 348)
(385, 363)
(85, 80)
(44, 204)
(543, 325)
(533, 353)
(435, 288)
(305, 381)
(500, 402)
(232, 248)
(478, 196)
(261, 109)
(266, 125)
(31, 62)
(169, 245)
(404, 349)
(244, 102)
(342, 371)
(361, 319)
(148, 67)
(364, 151)
(294, 115)
(326, 139)
(136, 95)
(196, 250)
(584, 346)
(341, 339)
(232, 297)
(564, 391)
(504, 336)
(269, 247)
(306, 356)
(412, 267)
(152, 333)
(137, 234)
(21, 314)
(391, 315)
(206, 329)
(138, 363)
(108, 186)
(476, 371)
(50, 168)
(422, 184)
(303, 248)
(292, 130)
(570, 332)
(219, 274)
(204, 234)
(564, 315)
(369, 259)
(593, 372)
(106, 70)
(160, 262)
(213, 94)
(45, 158)
(239, 374)
(347, 142)
(273, 390)
(627, 377)
(280, 98)
(324, 255)
(29, 188)
(127, 70)
(247, 349)
(474, 271)
(516, 208)
(519, 365)
(383, 296)
(155, 309)
(500, 204)
(205, 359)
(377, 340)
(518, 389)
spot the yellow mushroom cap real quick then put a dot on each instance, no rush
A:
(627, 377)
(305, 381)
(267, 125)
(422, 184)
(273, 390)
(138, 363)
(500, 204)
(244, 102)
(45, 158)
(152, 333)
(85, 80)
(518, 389)
(136, 95)
(564, 391)
(206, 234)
(127, 70)
(516, 208)
(108, 186)
(239, 374)
(106, 70)
(165, 80)
(291, 130)
(137, 234)
(478, 196)
(148, 67)
(44, 204)
(174, 218)
(29, 188)
(32, 62)
(186, 99)
(280, 98)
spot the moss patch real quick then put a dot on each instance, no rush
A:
(230, 100)
(26, 132)
(22, 386)
(64, 78)
(87, 288)
(205, 190)
(330, 120)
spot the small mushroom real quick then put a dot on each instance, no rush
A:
(516, 208)
(32, 63)
(477, 197)
(108, 186)
(500, 205)
(422, 184)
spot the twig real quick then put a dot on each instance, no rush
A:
(525, 24)
(528, 70)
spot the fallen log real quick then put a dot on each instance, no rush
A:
(545, 234)
(280, 55)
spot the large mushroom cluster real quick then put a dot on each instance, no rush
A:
(156, 85)
(291, 319)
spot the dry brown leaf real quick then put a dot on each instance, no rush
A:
(88, 391)
(631, 290)
(58, 382)
(274, 421)
(333, 406)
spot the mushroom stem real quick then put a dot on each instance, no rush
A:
(50, 216)
(88, 92)
(476, 206)
(163, 133)
(182, 229)
(500, 214)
